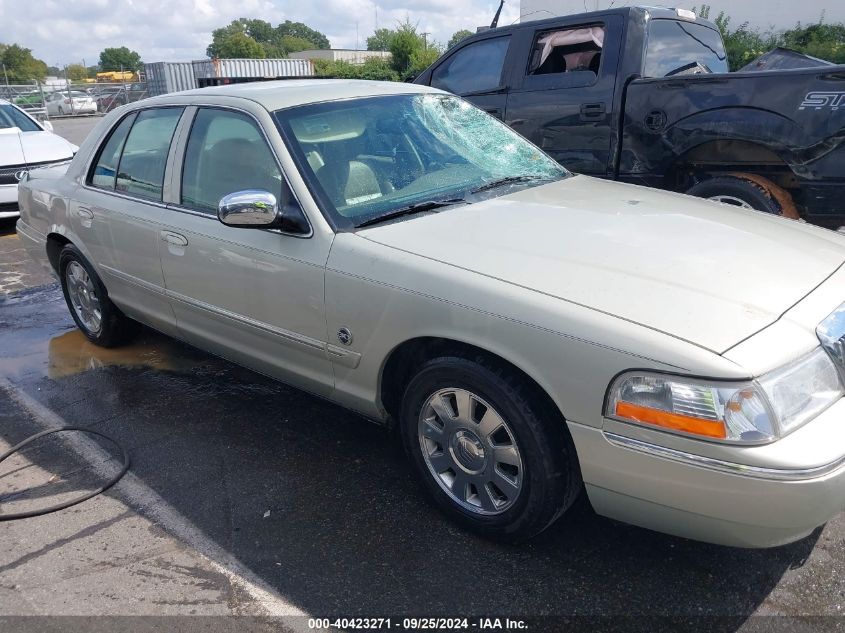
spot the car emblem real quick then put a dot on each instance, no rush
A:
(344, 336)
(21, 174)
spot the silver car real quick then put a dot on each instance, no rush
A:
(534, 334)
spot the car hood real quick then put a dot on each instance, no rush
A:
(33, 147)
(703, 272)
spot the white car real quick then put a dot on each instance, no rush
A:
(25, 144)
(74, 102)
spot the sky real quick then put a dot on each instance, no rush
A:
(68, 31)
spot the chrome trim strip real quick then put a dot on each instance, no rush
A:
(731, 468)
(344, 357)
(307, 342)
(135, 281)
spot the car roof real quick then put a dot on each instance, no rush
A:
(286, 93)
(643, 10)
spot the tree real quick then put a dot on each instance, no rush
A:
(380, 40)
(278, 41)
(76, 72)
(292, 44)
(826, 41)
(422, 58)
(120, 59)
(298, 29)
(457, 37)
(21, 66)
(238, 46)
(404, 43)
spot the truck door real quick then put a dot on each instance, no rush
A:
(475, 71)
(564, 99)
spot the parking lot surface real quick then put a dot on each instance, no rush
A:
(246, 497)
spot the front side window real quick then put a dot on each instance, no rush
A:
(226, 153)
(475, 68)
(142, 163)
(567, 51)
(680, 47)
(369, 157)
(105, 169)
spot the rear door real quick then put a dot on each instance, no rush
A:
(563, 98)
(477, 72)
(118, 212)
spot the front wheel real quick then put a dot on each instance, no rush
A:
(487, 449)
(95, 315)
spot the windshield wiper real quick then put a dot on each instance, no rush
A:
(417, 207)
(505, 181)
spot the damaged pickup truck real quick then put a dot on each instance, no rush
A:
(644, 95)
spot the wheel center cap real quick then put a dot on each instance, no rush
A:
(468, 451)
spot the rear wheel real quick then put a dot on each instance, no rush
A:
(747, 191)
(96, 316)
(486, 448)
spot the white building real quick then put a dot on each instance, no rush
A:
(763, 14)
(340, 55)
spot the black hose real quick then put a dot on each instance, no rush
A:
(72, 502)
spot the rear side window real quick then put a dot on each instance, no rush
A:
(676, 47)
(105, 169)
(476, 67)
(226, 153)
(142, 163)
(566, 51)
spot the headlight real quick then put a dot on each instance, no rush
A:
(745, 412)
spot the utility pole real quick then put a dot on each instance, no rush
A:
(425, 40)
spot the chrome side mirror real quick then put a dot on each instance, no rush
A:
(249, 209)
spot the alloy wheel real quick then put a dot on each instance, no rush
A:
(470, 451)
(83, 297)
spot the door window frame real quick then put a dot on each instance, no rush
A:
(104, 139)
(566, 79)
(502, 85)
(176, 166)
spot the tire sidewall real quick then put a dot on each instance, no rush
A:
(453, 372)
(72, 254)
(740, 188)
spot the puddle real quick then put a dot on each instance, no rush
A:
(71, 353)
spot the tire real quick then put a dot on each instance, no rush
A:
(740, 191)
(544, 481)
(88, 301)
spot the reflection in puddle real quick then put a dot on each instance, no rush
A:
(72, 353)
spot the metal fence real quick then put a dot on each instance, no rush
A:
(45, 100)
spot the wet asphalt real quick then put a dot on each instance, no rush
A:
(310, 502)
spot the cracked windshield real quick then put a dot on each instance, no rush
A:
(377, 158)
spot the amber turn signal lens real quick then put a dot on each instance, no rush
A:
(674, 421)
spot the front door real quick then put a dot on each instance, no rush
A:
(564, 100)
(255, 296)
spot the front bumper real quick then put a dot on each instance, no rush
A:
(714, 500)
(9, 201)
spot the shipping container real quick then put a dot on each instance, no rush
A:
(166, 77)
(212, 68)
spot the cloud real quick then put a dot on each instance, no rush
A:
(62, 32)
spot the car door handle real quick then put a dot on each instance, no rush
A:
(174, 238)
(85, 214)
(593, 111)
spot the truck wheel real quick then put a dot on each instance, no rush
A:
(747, 191)
(99, 319)
(486, 450)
